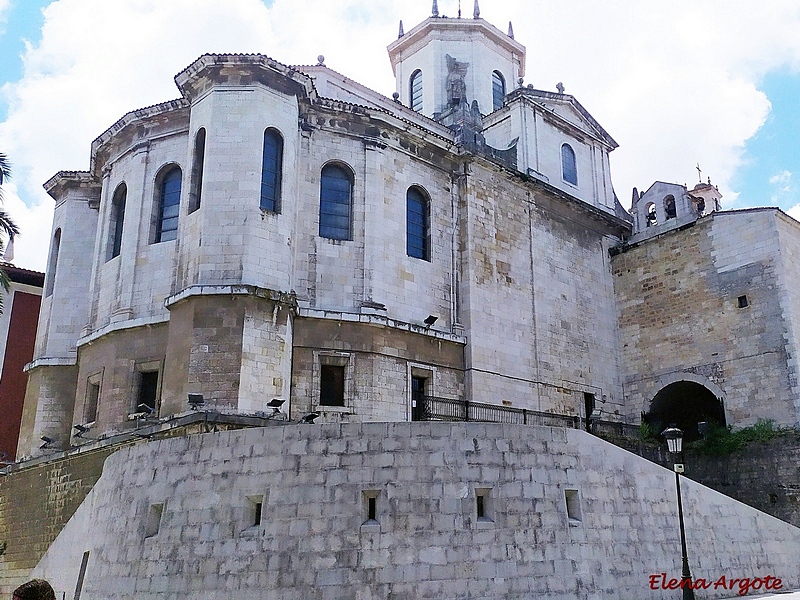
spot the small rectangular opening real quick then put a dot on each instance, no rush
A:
(743, 302)
(573, 505)
(255, 510)
(154, 519)
(370, 506)
(483, 504)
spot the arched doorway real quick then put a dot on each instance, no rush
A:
(685, 404)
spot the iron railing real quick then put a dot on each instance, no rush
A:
(614, 428)
(429, 408)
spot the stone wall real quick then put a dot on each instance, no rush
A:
(763, 475)
(679, 316)
(177, 518)
(537, 296)
(35, 504)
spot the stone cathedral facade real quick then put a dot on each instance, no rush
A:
(284, 232)
(282, 242)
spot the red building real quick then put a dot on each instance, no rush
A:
(17, 337)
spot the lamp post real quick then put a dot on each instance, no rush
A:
(675, 445)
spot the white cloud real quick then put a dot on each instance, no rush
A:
(783, 178)
(4, 6)
(782, 187)
(674, 83)
(34, 222)
(794, 212)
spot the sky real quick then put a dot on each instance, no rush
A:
(676, 84)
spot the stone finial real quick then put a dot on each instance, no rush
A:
(476, 12)
(560, 87)
(401, 33)
(435, 9)
(635, 198)
(520, 82)
(396, 97)
(510, 30)
(320, 60)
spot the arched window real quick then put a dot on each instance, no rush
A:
(417, 224)
(197, 169)
(52, 264)
(669, 207)
(569, 169)
(169, 199)
(651, 217)
(415, 90)
(271, 166)
(117, 220)
(498, 89)
(335, 201)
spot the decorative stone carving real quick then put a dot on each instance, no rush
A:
(455, 86)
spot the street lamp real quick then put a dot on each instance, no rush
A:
(675, 444)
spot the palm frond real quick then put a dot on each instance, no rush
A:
(7, 226)
(5, 168)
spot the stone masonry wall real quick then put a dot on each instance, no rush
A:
(677, 299)
(35, 504)
(177, 518)
(537, 298)
(763, 475)
(380, 363)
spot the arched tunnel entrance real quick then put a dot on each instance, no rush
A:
(685, 404)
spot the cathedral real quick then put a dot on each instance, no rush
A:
(284, 233)
(282, 244)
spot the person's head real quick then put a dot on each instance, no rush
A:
(35, 589)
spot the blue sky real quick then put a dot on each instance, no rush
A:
(23, 21)
(676, 84)
(772, 156)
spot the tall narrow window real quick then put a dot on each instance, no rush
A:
(569, 169)
(418, 398)
(335, 201)
(498, 89)
(52, 264)
(417, 223)
(198, 161)
(573, 506)
(92, 398)
(271, 166)
(415, 90)
(147, 396)
(117, 220)
(331, 390)
(169, 199)
(669, 207)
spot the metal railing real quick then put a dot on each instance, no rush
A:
(614, 428)
(429, 408)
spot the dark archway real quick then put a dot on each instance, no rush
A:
(685, 404)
